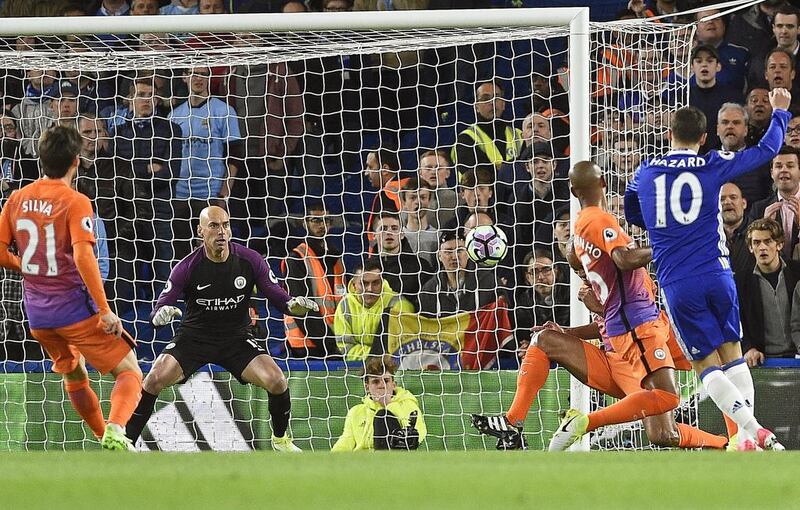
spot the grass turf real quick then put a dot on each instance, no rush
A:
(441, 480)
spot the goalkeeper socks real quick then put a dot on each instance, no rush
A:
(729, 399)
(125, 396)
(140, 416)
(532, 375)
(634, 407)
(279, 407)
(691, 437)
(86, 403)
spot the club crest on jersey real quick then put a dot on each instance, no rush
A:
(609, 234)
(240, 282)
(86, 224)
(167, 287)
(659, 354)
(272, 277)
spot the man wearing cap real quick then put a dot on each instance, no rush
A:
(706, 94)
(62, 107)
(459, 286)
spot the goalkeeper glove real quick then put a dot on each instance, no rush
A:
(165, 315)
(406, 438)
(300, 306)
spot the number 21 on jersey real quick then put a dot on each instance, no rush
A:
(675, 207)
(32, 229)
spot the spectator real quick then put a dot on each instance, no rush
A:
(555, 232)
(752, 28)
(780, 71)
(402, 268)
(732, 122)
(784, 29)
(144, 7)
(759, 111)
(547, 93)
(293, 7)
(46, 102)
(110, 188)
(357, 323)
(389, 418)
(113, 8)
(458, 286)
(735, 222)
(491, 139)
(784, 204)
(543, 298)
(415, 198)
(151, 145)
(268, 100)
(477, 194)
(625, 159)
(212, 155)
(768, 297)
(382, 172)
(314, 269)
(706, 93)
(436, 170)
(792, 138)
(536, 198)
(211, 7)
(181, 7)
(734, 59)
(17, 169)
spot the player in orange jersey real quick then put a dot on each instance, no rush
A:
(50, 225)
(639, 371)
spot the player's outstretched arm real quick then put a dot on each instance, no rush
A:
(628, 259)
(739, 163)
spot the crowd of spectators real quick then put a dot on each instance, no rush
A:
(265, 140)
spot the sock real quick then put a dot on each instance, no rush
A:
(140, 416)
(86, 403)
(532, 375)
(125, 396)
(729, 400)
(692, 437)
(279, 407)
(739, 374)
(730, 425)
(634, 407)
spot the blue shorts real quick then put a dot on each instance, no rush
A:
(704, 312)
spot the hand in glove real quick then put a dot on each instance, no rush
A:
(165, 315)
(299, 306)
(406, 438)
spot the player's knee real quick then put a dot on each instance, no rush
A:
(551, 344)
(275, 382)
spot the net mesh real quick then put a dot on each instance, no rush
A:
(291, 118)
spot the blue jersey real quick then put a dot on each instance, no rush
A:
(206, 130)
(676, 198)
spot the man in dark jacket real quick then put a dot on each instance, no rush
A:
(767, 295)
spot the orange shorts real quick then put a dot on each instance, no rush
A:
(636, 354)
(65, 345)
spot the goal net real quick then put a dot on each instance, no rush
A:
(278, 127)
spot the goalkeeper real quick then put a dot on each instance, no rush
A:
(216, 281)
(389, 417)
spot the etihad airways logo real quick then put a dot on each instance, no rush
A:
(220, 304)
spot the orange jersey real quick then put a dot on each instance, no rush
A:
(627, 296)
(45, 219)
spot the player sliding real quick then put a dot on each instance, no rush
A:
(216, 281)
(639, 371)
(69, 315)
(676, 198)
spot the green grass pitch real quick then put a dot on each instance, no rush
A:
(394, 480)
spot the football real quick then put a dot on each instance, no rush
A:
(486, 245)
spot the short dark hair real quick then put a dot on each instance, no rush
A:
(787, 9)
(414, 184)
(372, 264)
(688, 124)
(140, 81)
(480, 175)
(58, 148)
(780, 50)
(387, 214)
(315, 204)
(378, 365)
(387, 157)
(788, 149)
(773, 227)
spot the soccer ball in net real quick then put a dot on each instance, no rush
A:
(487, 245)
